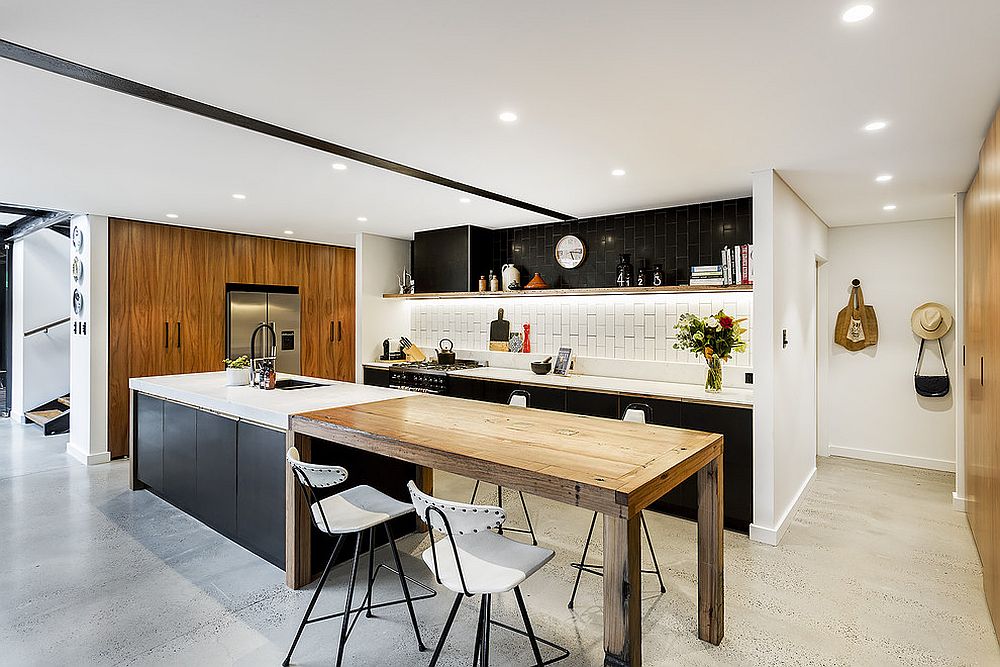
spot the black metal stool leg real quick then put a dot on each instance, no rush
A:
(500, 505)
(350, 598)
(652, 552)
(312, 603)
(527, 627)
(485, 655)
(586, 548)
(479, 633)
(402, 583)
(371, 569)
(446, 630)
(475, 490)
(527, 517)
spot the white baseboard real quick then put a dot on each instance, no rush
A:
(86, 458)
(896, 459)
(773, 536)
(957, 502)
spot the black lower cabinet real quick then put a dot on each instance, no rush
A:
(592, 403)
(497, 392)
(180, 456)
(468, 388)
(149, 440)
(377, 377)
(260, 492)
(546, 398)
(216, 472)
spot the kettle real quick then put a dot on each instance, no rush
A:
(446, 355)
(510, 278)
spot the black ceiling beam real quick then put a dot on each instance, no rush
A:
(18, 229)
(72, 70)
(13, 209)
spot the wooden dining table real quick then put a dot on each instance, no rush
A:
(613, 467)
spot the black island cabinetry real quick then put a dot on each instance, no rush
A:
(734, 423)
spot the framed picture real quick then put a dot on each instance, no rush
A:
(570, 251)
(562, 361)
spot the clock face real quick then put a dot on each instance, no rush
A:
(78, 239)
(77, 302)
(570, 251)
(77, 270)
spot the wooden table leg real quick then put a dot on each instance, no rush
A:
(622, 592)
(711, 605)
(298, 527)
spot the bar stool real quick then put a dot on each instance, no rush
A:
(638, 413)
(518, 398)
(472, 560)
(352, 512)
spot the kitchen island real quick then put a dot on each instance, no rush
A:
(218, 453)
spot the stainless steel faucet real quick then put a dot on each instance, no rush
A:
(253, 347)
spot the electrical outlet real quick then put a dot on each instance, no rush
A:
(784, 338)
(748, 378)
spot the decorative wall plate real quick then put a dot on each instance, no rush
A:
(78, 270)
(78, 239)
(570, 251)
(77, 302)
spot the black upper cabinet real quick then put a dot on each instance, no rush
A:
(452, 259)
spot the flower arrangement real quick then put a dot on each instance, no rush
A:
(238, 362)
(715, 337)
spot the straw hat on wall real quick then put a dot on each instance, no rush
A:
(931, 320)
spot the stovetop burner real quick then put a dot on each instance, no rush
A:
(433, 366)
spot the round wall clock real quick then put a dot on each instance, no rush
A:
(78, 239)
(77, 302)
(570, 251)
(77, 270)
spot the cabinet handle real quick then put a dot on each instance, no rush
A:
(963, 355)
(178, 334)
(166, 334)
(340, 333)
(331, 331)
(982, 372)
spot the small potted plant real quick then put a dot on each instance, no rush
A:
(237, 371)
(715, 338)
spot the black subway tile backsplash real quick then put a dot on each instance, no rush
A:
(676, 237)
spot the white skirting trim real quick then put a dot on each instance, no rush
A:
(86, 458)
(957, 502)
(773, 536)
(897, 459)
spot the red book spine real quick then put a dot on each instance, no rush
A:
(745, 269)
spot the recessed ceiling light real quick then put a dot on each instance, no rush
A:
(508, 116)
(857, 13)
(339, 166)
(239, 196)
(889, 207)
(289, 232)
(362, 219)
(617, 172)
(172, 216)
(876, 125)
(883, 178)
(464, 200)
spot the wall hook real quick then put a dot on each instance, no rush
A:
(856, 283)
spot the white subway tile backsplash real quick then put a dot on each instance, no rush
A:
(611, 327)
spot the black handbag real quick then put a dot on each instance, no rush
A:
(931, 385)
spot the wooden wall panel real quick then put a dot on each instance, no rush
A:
(163, 275)
(981, 246)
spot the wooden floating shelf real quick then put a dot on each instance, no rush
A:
(581, 291)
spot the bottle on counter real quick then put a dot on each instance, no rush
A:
(624, 278)
(526, 346)
(642, 274)
(483, 285)
(658, 278)
(494, 282)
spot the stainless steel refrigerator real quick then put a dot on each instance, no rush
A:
(248, 308)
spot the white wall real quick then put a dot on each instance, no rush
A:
(40, 284)
(873, 411)
(379, 260)
(88, 427)
(789, 240)
(958, 497)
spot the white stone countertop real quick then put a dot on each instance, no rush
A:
(209, 392)
(668, 390)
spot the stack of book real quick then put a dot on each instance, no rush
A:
(707, 275)
(737, 265)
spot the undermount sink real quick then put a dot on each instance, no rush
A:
(288, 384)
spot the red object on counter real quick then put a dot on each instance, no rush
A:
(526, 347)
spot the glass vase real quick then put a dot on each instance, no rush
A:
(713, 379)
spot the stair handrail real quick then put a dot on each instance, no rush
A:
(45, 328)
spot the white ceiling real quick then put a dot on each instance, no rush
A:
(689, 98)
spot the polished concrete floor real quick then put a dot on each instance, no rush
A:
(876, 570)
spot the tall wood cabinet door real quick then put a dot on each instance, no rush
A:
(283, 262)
(201, 269)
(344, 313)
(119, 334)
(318, 329)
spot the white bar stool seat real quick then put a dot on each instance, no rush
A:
(357, 509)
(490, 563)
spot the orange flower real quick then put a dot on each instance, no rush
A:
(709, 352)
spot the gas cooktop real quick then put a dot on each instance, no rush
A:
(434, 367)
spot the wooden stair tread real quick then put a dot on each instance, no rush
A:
(43, 416)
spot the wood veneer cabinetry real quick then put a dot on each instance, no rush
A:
(167, 304)
(981, 243)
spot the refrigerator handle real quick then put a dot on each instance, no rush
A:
(166, 334)
(178, 334)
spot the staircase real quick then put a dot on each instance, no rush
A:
(52, 417)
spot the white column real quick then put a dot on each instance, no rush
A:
(88, 437)
(958, 386)
(378, 260)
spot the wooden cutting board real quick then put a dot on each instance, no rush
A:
(499, 333)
